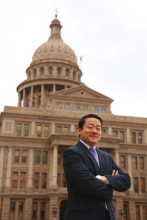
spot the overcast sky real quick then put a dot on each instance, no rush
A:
(112, 34)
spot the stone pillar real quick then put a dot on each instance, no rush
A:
(128, 136)
(5, 208)
(119, 206)
(31, 97)
(132, 210)
(28, 208)
(117, 156)
(145, 136)
(53, 203)
(130, 172)
(30, 173)
(53, 128)
(54, 168)
(36, 101)
(51, 166)
(1, 166)
(46, 71)
(19, 99)
(54, 88)
(65, 86)
(24, 97)
(72, 128)
(8, 173)
(33, 128)
(71, 74)
(42, 94)
(110, 130)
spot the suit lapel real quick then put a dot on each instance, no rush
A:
(89, 154)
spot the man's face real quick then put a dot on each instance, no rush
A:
(91, 132)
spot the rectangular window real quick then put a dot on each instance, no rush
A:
(103, 131)
(59, 158)
(20, 210)
(35, 208)
(46, 130)
(16, 155)
(135, 184)
(122, 161)
(12, 210)
(59, 128)
(134, 162)
(115, 133)
(15, 180)
(58, 179)
(26, 130)
(36, 181)
(44, 157)
(37, 158)
(133, 137)
(141, 163)
(66, 129)
(144, 212)
(44, 179)
(24, 156)
(18, 129)
(22, 180)
(122, 136)
(143, 185)
(39, 130)
(137, 212)
(125, 212)
(42, 211)
(139, 138)
(64, 184)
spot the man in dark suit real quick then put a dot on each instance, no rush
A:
(92, 175)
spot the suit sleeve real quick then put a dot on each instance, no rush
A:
(119, 182)
(82, 178)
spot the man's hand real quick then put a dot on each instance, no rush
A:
(113, 174)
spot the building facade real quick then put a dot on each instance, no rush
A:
(34, 135)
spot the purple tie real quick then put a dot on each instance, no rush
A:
(94, 153)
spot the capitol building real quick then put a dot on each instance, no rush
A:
(34, 135)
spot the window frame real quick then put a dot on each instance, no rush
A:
(136, 135)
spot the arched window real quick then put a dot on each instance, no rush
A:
(56, 30)
(35, 72)
(74, 75)
(59, 71)
(50, 70)
(39, 100)
(42, 71)
(53, 30)
(66, 72)
(58, 47)
(52, 47)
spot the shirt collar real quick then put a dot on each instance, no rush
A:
(86, 144)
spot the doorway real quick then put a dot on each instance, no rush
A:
(63, 207)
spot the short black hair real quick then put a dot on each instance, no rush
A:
(83, 120)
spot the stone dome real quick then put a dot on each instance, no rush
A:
(54, 48)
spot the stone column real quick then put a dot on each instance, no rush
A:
(132, 210)
(30, 173)
(54, 88)
(128, 136)
(72, 128)
(53, 128)
(36, 101)
(1, 166)
(65, 86)
(119, 206)
(8, 173)
(28, 208)
(130, 172)
(5, 208)
(42, 94)
(19, 99)
(24, 97)
(109, 130)
(51, 166)
(117, 156)
(54, 167)
(145, 136)
(46, 72)
(31, 97)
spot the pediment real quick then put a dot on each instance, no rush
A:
(82, 91)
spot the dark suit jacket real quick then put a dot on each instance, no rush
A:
(86, 194)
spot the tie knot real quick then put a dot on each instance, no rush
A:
(92, 149)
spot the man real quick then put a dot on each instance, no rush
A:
(92, 175)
